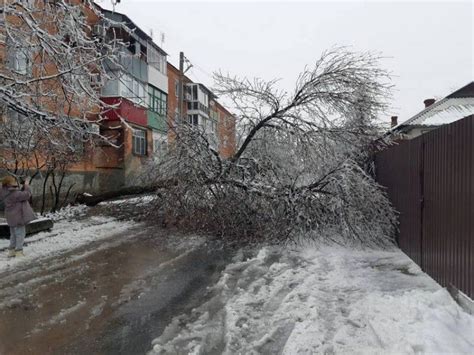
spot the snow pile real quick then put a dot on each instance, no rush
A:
(138, 201)
(322, 300)
(68, 233)
(68, 212)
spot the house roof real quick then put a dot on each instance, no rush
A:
(127, 21)
(453, 107)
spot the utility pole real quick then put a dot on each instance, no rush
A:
(182, 71)
(181, 88)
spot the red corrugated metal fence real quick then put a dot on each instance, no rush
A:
(430, 181)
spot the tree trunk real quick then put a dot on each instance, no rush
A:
(126, 191)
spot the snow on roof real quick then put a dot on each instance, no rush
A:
(447, 111)
(452, 108)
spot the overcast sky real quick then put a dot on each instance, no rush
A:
(429, 44)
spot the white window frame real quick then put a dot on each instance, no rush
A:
(156, 59)
(132, 89)
(139, 142)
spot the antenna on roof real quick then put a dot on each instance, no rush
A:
(151, 33)
(114, 2)
(162, 39)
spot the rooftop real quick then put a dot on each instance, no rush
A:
(453, 107)
(126, 21)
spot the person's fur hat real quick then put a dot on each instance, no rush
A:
(9, 181)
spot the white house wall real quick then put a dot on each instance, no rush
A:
(157, 79)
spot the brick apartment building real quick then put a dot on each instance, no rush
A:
(14, 62)
(144, 94)
(201, 108)
(139, 90)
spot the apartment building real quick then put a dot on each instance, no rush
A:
(140, 109)
(144, 92)
(226, 130)
(201, 108)
(22, 61)
(138, 91)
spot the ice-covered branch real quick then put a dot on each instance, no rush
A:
(301, 162)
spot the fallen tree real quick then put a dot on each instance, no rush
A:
(301, 164)
(93, 200)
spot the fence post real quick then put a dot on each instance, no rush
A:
(422, 196)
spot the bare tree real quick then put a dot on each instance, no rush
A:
(300, 163)
(26, 152)
(54, 56)
(19, 146)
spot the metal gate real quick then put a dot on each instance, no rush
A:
(430, 181)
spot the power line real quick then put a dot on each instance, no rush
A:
(205, 72)
(193, 73)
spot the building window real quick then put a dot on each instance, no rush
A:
(18, 132)
(156, 59)
(132, 89)
(192, 91)
(214, 115)
(159, 143)
(19, 60)
(156, 145)
(193, 120)
(113, 135)
(76, 145)
(139, 141)
(2, 32)
(176, 117)
(193, 105)
(176, 88)
(157, 100)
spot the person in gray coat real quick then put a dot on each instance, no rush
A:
(18, 212)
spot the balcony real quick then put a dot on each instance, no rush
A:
(196, 107)
(157, 121)
(157, 79)
(197, 100)
(126, 110)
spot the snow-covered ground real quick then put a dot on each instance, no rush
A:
(71, 230)
(317, 300)
(305, 300)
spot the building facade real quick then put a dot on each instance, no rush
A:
(22, 61)
(201, 108)
(139, 112)
(138, 93)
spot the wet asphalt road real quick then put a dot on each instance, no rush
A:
(111, 297)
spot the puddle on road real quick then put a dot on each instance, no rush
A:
(114, 301)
